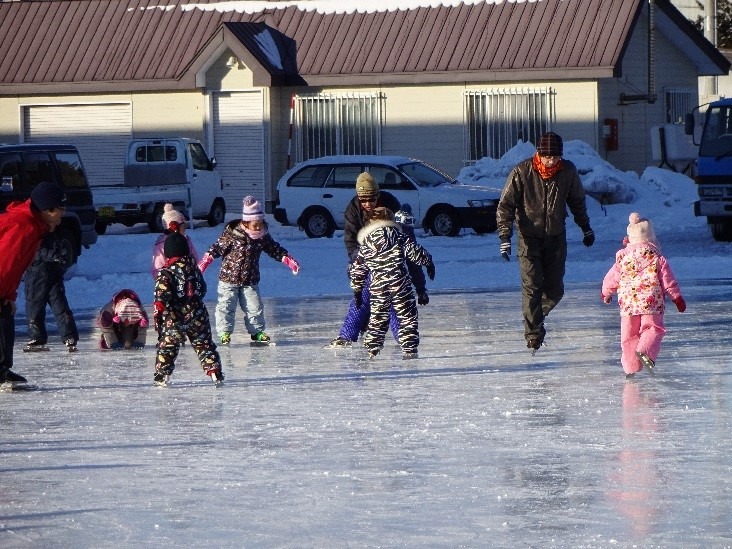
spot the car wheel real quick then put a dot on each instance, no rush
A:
(722, 232)
(155, 224)
(68, 244)
(217, 214)
(445, 222)
(318, 223)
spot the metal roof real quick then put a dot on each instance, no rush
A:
(97, 45)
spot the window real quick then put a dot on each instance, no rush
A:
(495, 120)
(37, 168)
(10, 172)
(678, 102)
(156, 153)
(328, 124)
(199, 157)
(344, 177)
(312, 176)
(69, 165)
(388, 179)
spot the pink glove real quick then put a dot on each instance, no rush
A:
(292, 264)
(143, 323)
(205, 262)
(116, 319)
(680, 304)
(606, 298)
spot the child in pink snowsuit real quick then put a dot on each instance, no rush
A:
(641, 277)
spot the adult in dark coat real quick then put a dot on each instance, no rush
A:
(22, 228)
(358, 213)
(535, 199)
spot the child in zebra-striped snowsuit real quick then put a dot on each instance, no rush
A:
(383, 252)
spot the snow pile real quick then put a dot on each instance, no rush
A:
(599, 178)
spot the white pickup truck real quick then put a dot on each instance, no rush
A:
(156, 171)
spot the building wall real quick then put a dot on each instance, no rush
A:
(635, 120)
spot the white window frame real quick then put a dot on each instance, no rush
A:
(496, 119)
(677, 103)
(330, 123)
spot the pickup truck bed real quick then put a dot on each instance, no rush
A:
(131, 205)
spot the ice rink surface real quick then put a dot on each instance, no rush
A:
(476, 444)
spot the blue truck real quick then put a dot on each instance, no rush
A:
(714, 168)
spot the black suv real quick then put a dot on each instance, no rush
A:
(22, 167)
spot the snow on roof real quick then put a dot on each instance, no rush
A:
(338, 6)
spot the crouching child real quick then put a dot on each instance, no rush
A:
(383, 252)
(123, 322)
(180, 312)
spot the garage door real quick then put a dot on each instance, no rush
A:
(238, 135)
(100, 132)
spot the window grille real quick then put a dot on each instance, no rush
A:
(328, 124)
(677, 103)
(495, 120)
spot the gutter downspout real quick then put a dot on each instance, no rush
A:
(651, 96)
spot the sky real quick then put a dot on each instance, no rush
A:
(122, 257)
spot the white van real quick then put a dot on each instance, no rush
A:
(314, 194)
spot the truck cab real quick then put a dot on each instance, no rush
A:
(714, 169)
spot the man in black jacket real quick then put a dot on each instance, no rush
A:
(358, 212)
(535, 198)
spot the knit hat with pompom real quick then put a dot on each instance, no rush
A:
(252, 209)
(170, 214)
(640, 230)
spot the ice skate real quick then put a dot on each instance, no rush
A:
(70, 345)
(409, 355)
(339, 343)
(13, 381)
(225, 338)
(161, 379)
(260, 339)
(647, 361)
(34, 346)
(217, 376)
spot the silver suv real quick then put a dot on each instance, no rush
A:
(314, 194)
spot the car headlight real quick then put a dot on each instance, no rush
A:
(481, 203)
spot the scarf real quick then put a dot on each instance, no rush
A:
(545, 172)
(255, 235)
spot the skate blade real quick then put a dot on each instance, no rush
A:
(15, 386)
(262, 344)
(164, 383)
(36, 349)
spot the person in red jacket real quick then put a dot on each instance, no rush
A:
(22, 228)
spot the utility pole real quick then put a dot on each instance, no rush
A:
(710, 32)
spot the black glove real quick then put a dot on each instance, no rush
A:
(358, 299)
(506, 249)
(423, 298)
(589, 236)
(431, 270)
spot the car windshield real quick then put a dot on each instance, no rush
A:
(425, 175)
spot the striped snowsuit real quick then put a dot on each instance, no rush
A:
(383, 252)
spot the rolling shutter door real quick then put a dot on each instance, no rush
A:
(100, 132)
(238, 136)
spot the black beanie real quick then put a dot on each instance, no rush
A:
(47, 196)
(550, 144)
(175, 245)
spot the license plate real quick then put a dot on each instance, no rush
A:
(105, 211)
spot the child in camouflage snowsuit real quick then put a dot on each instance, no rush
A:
(180, 312)
(241, 245)
(383, 252)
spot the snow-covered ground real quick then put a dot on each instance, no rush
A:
(475, 444)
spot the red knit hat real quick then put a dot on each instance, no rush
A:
(550, 144)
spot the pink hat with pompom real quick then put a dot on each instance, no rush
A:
(640, 229)
(252, 209)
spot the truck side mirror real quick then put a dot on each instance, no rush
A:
(689, 124)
